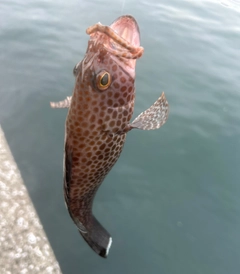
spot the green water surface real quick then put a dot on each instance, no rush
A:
(172, 201)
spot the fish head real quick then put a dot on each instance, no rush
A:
(115, 46)
(107, 72)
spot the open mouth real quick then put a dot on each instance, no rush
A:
(127, 28)
(123, 37)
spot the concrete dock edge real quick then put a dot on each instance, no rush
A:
(24, 247)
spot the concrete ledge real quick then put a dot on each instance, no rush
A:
(24, 247)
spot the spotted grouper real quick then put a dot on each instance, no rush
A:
(98, 120)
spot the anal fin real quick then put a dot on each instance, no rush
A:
(62, 104)
(154, 117)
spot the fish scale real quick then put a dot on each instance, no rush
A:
(98, 120)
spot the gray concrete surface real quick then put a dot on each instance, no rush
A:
(24, 247)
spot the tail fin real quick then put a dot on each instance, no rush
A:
(98, 238)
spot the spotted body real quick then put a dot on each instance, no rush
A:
(98, 120)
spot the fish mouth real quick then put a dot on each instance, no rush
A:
(127, 27)
(121, 39)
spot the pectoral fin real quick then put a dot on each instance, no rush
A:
(154, 117)
(62, 104)
(76, 69)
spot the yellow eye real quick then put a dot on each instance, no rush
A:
(103, 80)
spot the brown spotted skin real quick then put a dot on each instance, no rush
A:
(95, 117)
(95, 134)
(99, 119)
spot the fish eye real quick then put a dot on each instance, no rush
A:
(103, 80)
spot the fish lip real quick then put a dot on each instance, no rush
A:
(127, 27)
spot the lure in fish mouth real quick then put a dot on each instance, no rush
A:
(98, 120)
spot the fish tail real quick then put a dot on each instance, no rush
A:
(98, 238)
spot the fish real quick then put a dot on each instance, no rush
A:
(98, 120)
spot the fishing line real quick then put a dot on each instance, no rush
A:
(123, 4)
